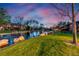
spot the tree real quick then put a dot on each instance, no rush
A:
(74, 25)
(8, 19)
(41, 27)
(65, 12)
(2, 13)
(33, 24)
(4, 17)
(19, 20)
(61, 24)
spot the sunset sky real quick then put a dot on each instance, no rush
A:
(43, 12)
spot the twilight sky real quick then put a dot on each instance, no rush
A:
(43, 12)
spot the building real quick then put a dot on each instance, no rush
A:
(12, 26)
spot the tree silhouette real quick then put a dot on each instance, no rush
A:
(4, 17)
(32, 24)
(65, 12)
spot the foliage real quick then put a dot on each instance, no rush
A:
(4, 17)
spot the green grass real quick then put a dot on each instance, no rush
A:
(5, 31)
(50, 45)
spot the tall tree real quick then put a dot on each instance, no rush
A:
(2, 13)
(4, 17)
(74, 25)
(65, 12)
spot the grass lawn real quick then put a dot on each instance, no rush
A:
(50, 45)
(5, 31)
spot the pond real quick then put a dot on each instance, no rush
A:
(26, 36)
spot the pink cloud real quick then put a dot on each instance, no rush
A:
(45, 12)
(53, 20)
(49, 15)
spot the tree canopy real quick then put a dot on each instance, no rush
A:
(4, 17)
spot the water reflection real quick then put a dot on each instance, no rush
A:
(14, 38)
(11, 37)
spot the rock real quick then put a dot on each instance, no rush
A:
(3, 42)
(43, 34)
(21, 38)
(16, 40)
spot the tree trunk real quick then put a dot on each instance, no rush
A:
(74, 29)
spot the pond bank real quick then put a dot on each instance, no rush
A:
(12, 38)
